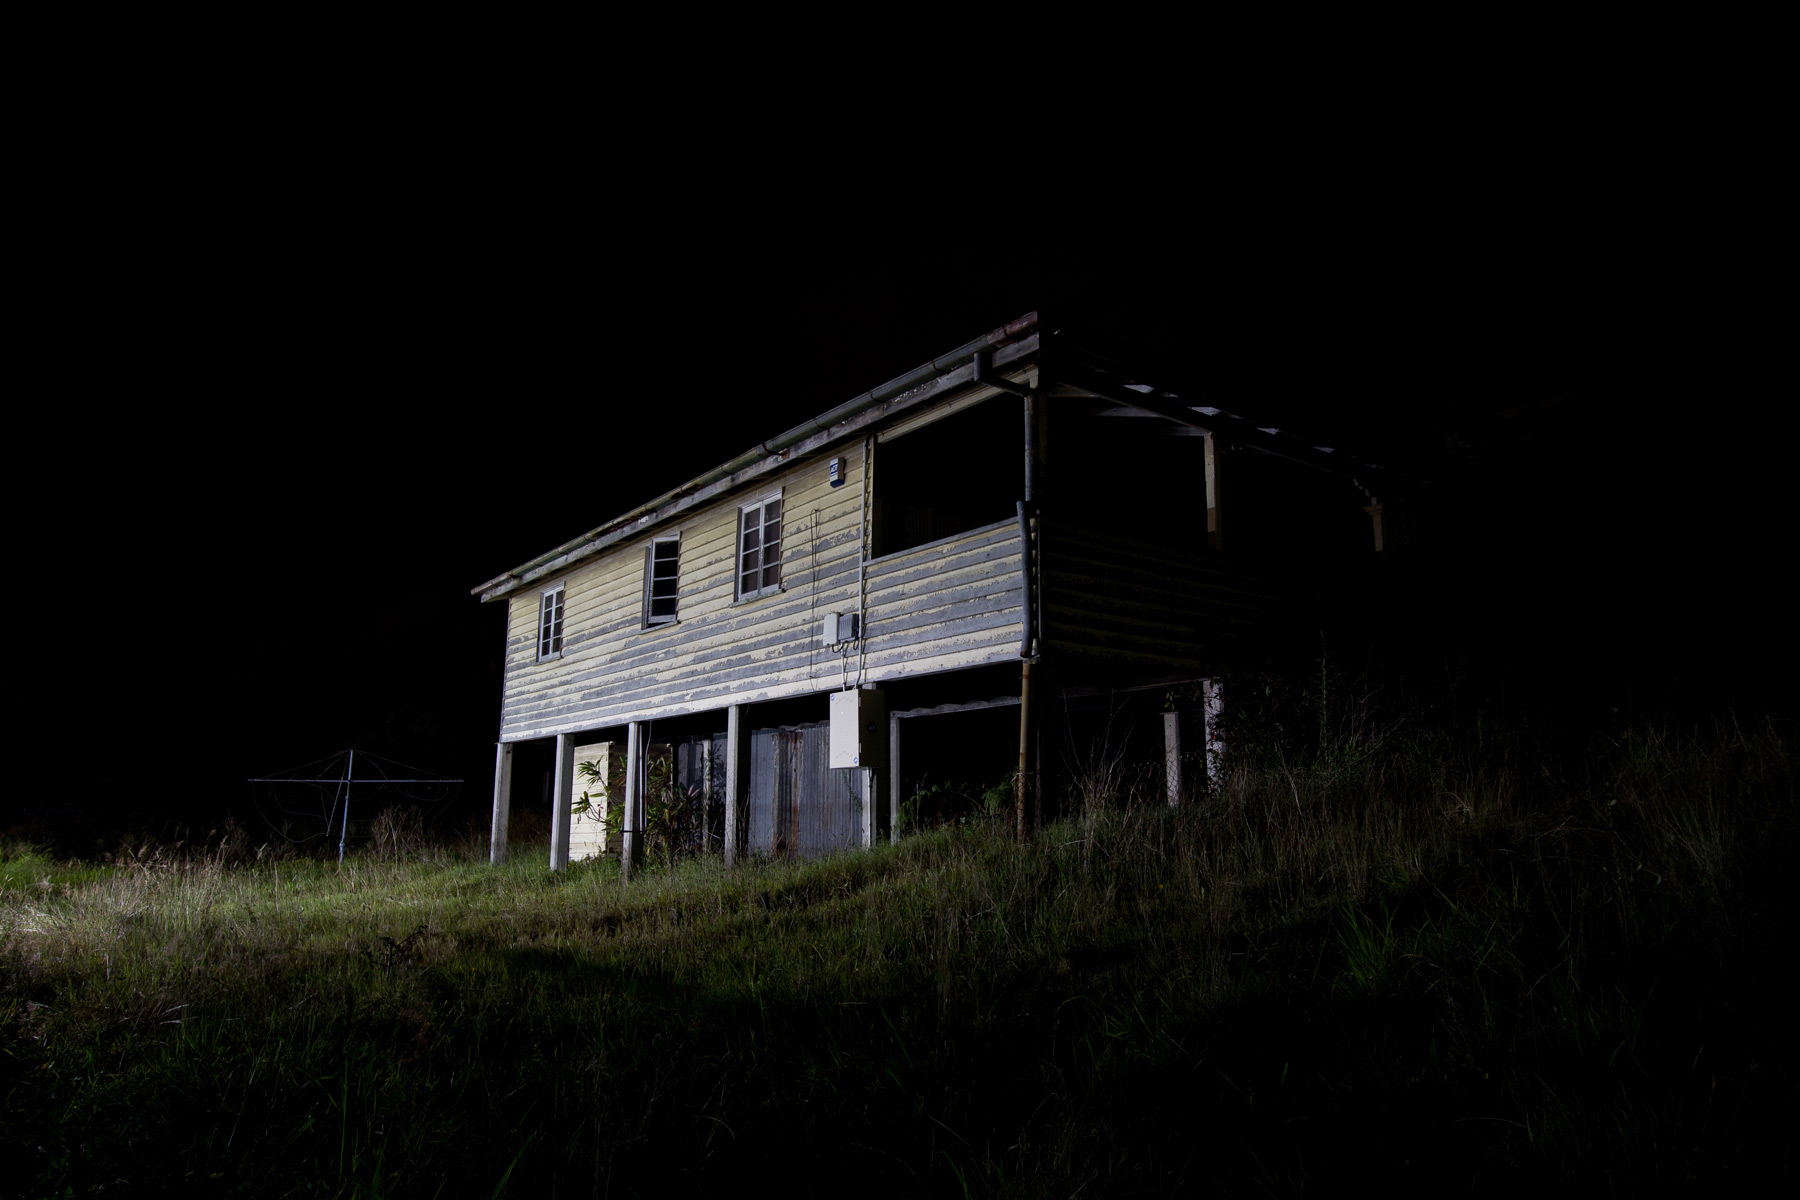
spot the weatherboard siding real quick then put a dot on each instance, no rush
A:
(1110, 601)
(950, 604)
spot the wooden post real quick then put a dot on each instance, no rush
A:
(893, 797)
(1374, 510)
(631, 851)
(706, 786)
(1020, 783)
(1215, 745)
(1172, 756)
(562, 800)
(1215, 534)
(503, 764)
(1037, 761)
(737, 778)
(869, 799)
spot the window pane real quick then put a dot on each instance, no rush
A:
(772, 510)
(771, 576)
(662, 587)
(550, 624)
(667, 549)
(662, 607)
(747, 583)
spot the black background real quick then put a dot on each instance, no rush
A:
(300, 396)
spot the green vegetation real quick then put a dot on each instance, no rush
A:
(1427, 964)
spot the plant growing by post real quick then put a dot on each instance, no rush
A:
(956, 802)
(672, 814)
(593, 801)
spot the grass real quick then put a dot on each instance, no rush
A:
(1431, 966)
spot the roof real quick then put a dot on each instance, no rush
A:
(1077, 372)
(1009, 343)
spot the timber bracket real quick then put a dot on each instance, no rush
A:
(984, 374)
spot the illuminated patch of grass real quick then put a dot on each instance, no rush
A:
(1459, 966)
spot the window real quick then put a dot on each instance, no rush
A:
(759, 547)
(550, 622)
(947, 477)
(662, 565)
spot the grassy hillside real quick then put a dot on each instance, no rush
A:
(1438, 965)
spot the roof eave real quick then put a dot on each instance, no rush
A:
(1011, 343)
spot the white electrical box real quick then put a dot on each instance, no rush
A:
(837, 472)
(838, 628)
(859, 728)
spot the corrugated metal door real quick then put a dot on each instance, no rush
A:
(760, 837)
(789, 782)
(799, 806)
(829, 818)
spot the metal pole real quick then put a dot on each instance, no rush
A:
(1027, 601)
(349, 773)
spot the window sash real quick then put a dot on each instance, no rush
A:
(550, 623)
(662, 581)
(759, 548)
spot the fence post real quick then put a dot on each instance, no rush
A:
(1172, 755)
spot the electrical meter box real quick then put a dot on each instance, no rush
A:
(859, 733)
(838, 628)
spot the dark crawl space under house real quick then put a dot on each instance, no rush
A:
(965, 568)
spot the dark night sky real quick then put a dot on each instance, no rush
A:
(339, 400)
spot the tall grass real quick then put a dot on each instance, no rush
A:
(1431, 961)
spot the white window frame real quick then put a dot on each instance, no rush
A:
(550, 623)
(650, 619)
(737, 576)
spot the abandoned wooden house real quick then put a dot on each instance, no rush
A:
(961, 557)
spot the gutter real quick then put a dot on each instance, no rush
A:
(942, 365)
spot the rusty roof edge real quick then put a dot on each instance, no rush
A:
(1279, 443)
(943, 364)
